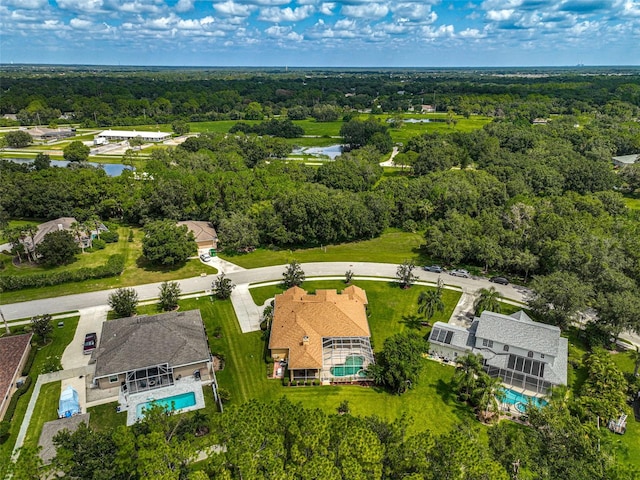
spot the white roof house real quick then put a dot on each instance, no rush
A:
(524, 353)
(129, 134)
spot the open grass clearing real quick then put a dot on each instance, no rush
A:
(60, 339)
(393, 246)
(632, 203)
(137, 271)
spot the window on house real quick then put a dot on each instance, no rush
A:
(113, 379)
(530, 354)
(505, 348)
(542, 355)
(487, 343)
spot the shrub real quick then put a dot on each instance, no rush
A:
(109, 237)
(130, 239)
(51, 364)
(4, 431)
(113, 267)
(29, 362)
(11, 409)
(99, 244)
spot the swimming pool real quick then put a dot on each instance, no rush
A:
(520, 400)
(352, 365)
(174, 403)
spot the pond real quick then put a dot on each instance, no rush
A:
(332, 151)
(111, 169)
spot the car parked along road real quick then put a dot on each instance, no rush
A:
(500, 280)
(433, 268)
(460, 273)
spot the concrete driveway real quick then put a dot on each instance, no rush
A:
(91, 320)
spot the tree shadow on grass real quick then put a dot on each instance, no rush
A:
(412, 321)
(147, 266)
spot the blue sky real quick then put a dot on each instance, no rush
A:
(351, 33)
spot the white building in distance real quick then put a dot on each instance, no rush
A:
(119, 135)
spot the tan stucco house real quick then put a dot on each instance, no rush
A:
(323, 336)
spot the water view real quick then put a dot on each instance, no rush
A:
(111, 169)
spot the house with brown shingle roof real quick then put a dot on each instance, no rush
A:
(322, 336)
(203, 232)
(14, 351)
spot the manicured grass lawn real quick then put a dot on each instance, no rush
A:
(627, 446)
(46, 409)
(104, 417)
(431, 403)
(61, 337)
(393, 246)
(632, 203)
(137, 271)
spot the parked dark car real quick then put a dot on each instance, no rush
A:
(500, 280)
(433, 268)
(90, 343)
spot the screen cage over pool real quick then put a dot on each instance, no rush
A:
(346, 359)
(149, 378)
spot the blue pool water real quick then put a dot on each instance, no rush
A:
(520, 401)
(172, 404)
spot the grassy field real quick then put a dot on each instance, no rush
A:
(61, 337)
(46, 409)
(393, 246)
(632, 203)
(627, 446)
(104, 417)
(137, 271)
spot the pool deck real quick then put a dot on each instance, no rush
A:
(184, 385)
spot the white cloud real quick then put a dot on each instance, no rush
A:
(285, 33)
(631, 9)
(80, 24)
(327, 8)
(414, 11)
(345, 24)
(234, 9)
(277, 15)
(442, 31)
(184, 5)
(81, 5)
(25, 4)
(369, 10)
(500, 15)
(195, 24)
(472, 33)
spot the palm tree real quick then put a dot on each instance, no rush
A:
(78, 229)
(635, 356)
(489, 394)
(429, 303)
(469, 367)
(31, 229)
(94, 221)
(488, 299)
(559, 397)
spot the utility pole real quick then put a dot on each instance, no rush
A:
(6, 325)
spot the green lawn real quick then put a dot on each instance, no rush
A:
(627, 445)
(393, 246)
(431, 403)
(137, 271)
(632, 203)
(104, 417)
(46, 409)
(61, 337)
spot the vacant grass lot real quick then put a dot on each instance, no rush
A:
(137, 271)
(61, 337)
(393, 246)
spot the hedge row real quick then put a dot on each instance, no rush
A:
(11, 409)
(113, 267)
(29, 362)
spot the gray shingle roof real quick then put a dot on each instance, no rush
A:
(176, 338)
(519, 331)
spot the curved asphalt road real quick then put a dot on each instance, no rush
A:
(28, 309)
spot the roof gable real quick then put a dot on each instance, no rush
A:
(519, 331)
(176, 338)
